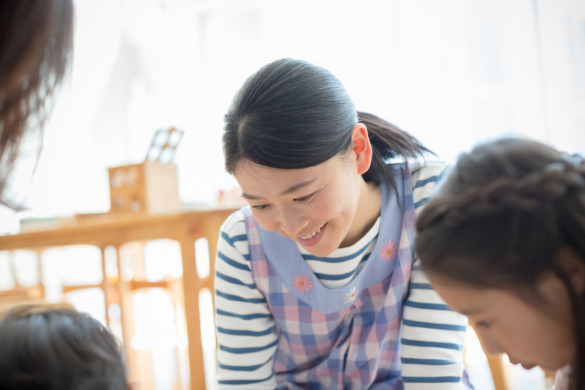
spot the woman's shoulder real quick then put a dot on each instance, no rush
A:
(235, 224)
(423, 170)
(425, 176)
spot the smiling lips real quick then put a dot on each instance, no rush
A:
(311, 235)
(313, 238)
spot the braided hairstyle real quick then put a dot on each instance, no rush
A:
(500, 217)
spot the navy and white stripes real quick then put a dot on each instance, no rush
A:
(432, 334)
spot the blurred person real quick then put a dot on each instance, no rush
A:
(55, 348)
(36, 40)
(43, 347)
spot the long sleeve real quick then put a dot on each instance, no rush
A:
(432, 334)
(246, 331)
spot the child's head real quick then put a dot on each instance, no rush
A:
(503, 241)
(58, 349)
(302, 154)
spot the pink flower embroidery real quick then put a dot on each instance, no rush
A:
(302, 283)
(389, 251)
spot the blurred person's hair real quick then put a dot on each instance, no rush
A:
(54, 348)
(36, 40)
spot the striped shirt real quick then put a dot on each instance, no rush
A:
(432, 335)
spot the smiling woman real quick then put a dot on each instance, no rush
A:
(316, 284)
(309, 204)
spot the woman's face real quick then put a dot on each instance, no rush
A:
(540, 334)
(314, 206)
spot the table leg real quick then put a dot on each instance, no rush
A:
(191, 288)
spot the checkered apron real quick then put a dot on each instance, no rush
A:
(347, 337)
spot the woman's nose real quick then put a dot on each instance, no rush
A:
(292, 223)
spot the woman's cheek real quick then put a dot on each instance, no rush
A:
(326, 208)
(264, 220)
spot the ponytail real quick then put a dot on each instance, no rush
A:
(388, 142)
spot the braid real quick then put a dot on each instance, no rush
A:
(500, 218)
(506, 195)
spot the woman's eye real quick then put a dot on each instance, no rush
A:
(304, 198)
(260, 207)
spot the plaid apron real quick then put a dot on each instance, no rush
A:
(347, 337)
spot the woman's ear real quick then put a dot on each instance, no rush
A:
(361, 147)
(573, 265)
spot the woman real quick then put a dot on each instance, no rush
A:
(316, 283)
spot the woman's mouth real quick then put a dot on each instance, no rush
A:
(312, 238)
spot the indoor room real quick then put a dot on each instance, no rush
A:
(117, 203)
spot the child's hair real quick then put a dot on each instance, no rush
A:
(500, 217)
(292, 114)
(49, 348)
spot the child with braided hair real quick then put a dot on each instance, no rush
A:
(503, 241)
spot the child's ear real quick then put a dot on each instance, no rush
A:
(573, 265)
(362, 148)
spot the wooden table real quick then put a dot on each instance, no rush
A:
(105, 230)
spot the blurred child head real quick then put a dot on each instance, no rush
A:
(58, 349)
(503, 241)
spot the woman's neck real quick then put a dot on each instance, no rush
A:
(367, 212)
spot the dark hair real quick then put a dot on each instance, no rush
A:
(500, 217)
(49, 348)
(36, 39)
(292, 114)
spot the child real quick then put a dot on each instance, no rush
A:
(316, 285)
(53, 348)
(503, 242)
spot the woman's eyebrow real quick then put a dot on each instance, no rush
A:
(288, 191)
(297, 187)
(251, 197)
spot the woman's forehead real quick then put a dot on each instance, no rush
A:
(249, 169)
(259, 180)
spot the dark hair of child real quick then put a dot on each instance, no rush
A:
(500, 217)
(49, 348)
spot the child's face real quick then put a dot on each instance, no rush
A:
(314, 206)
(531, 335)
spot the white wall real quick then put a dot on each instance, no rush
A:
(452, 72)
